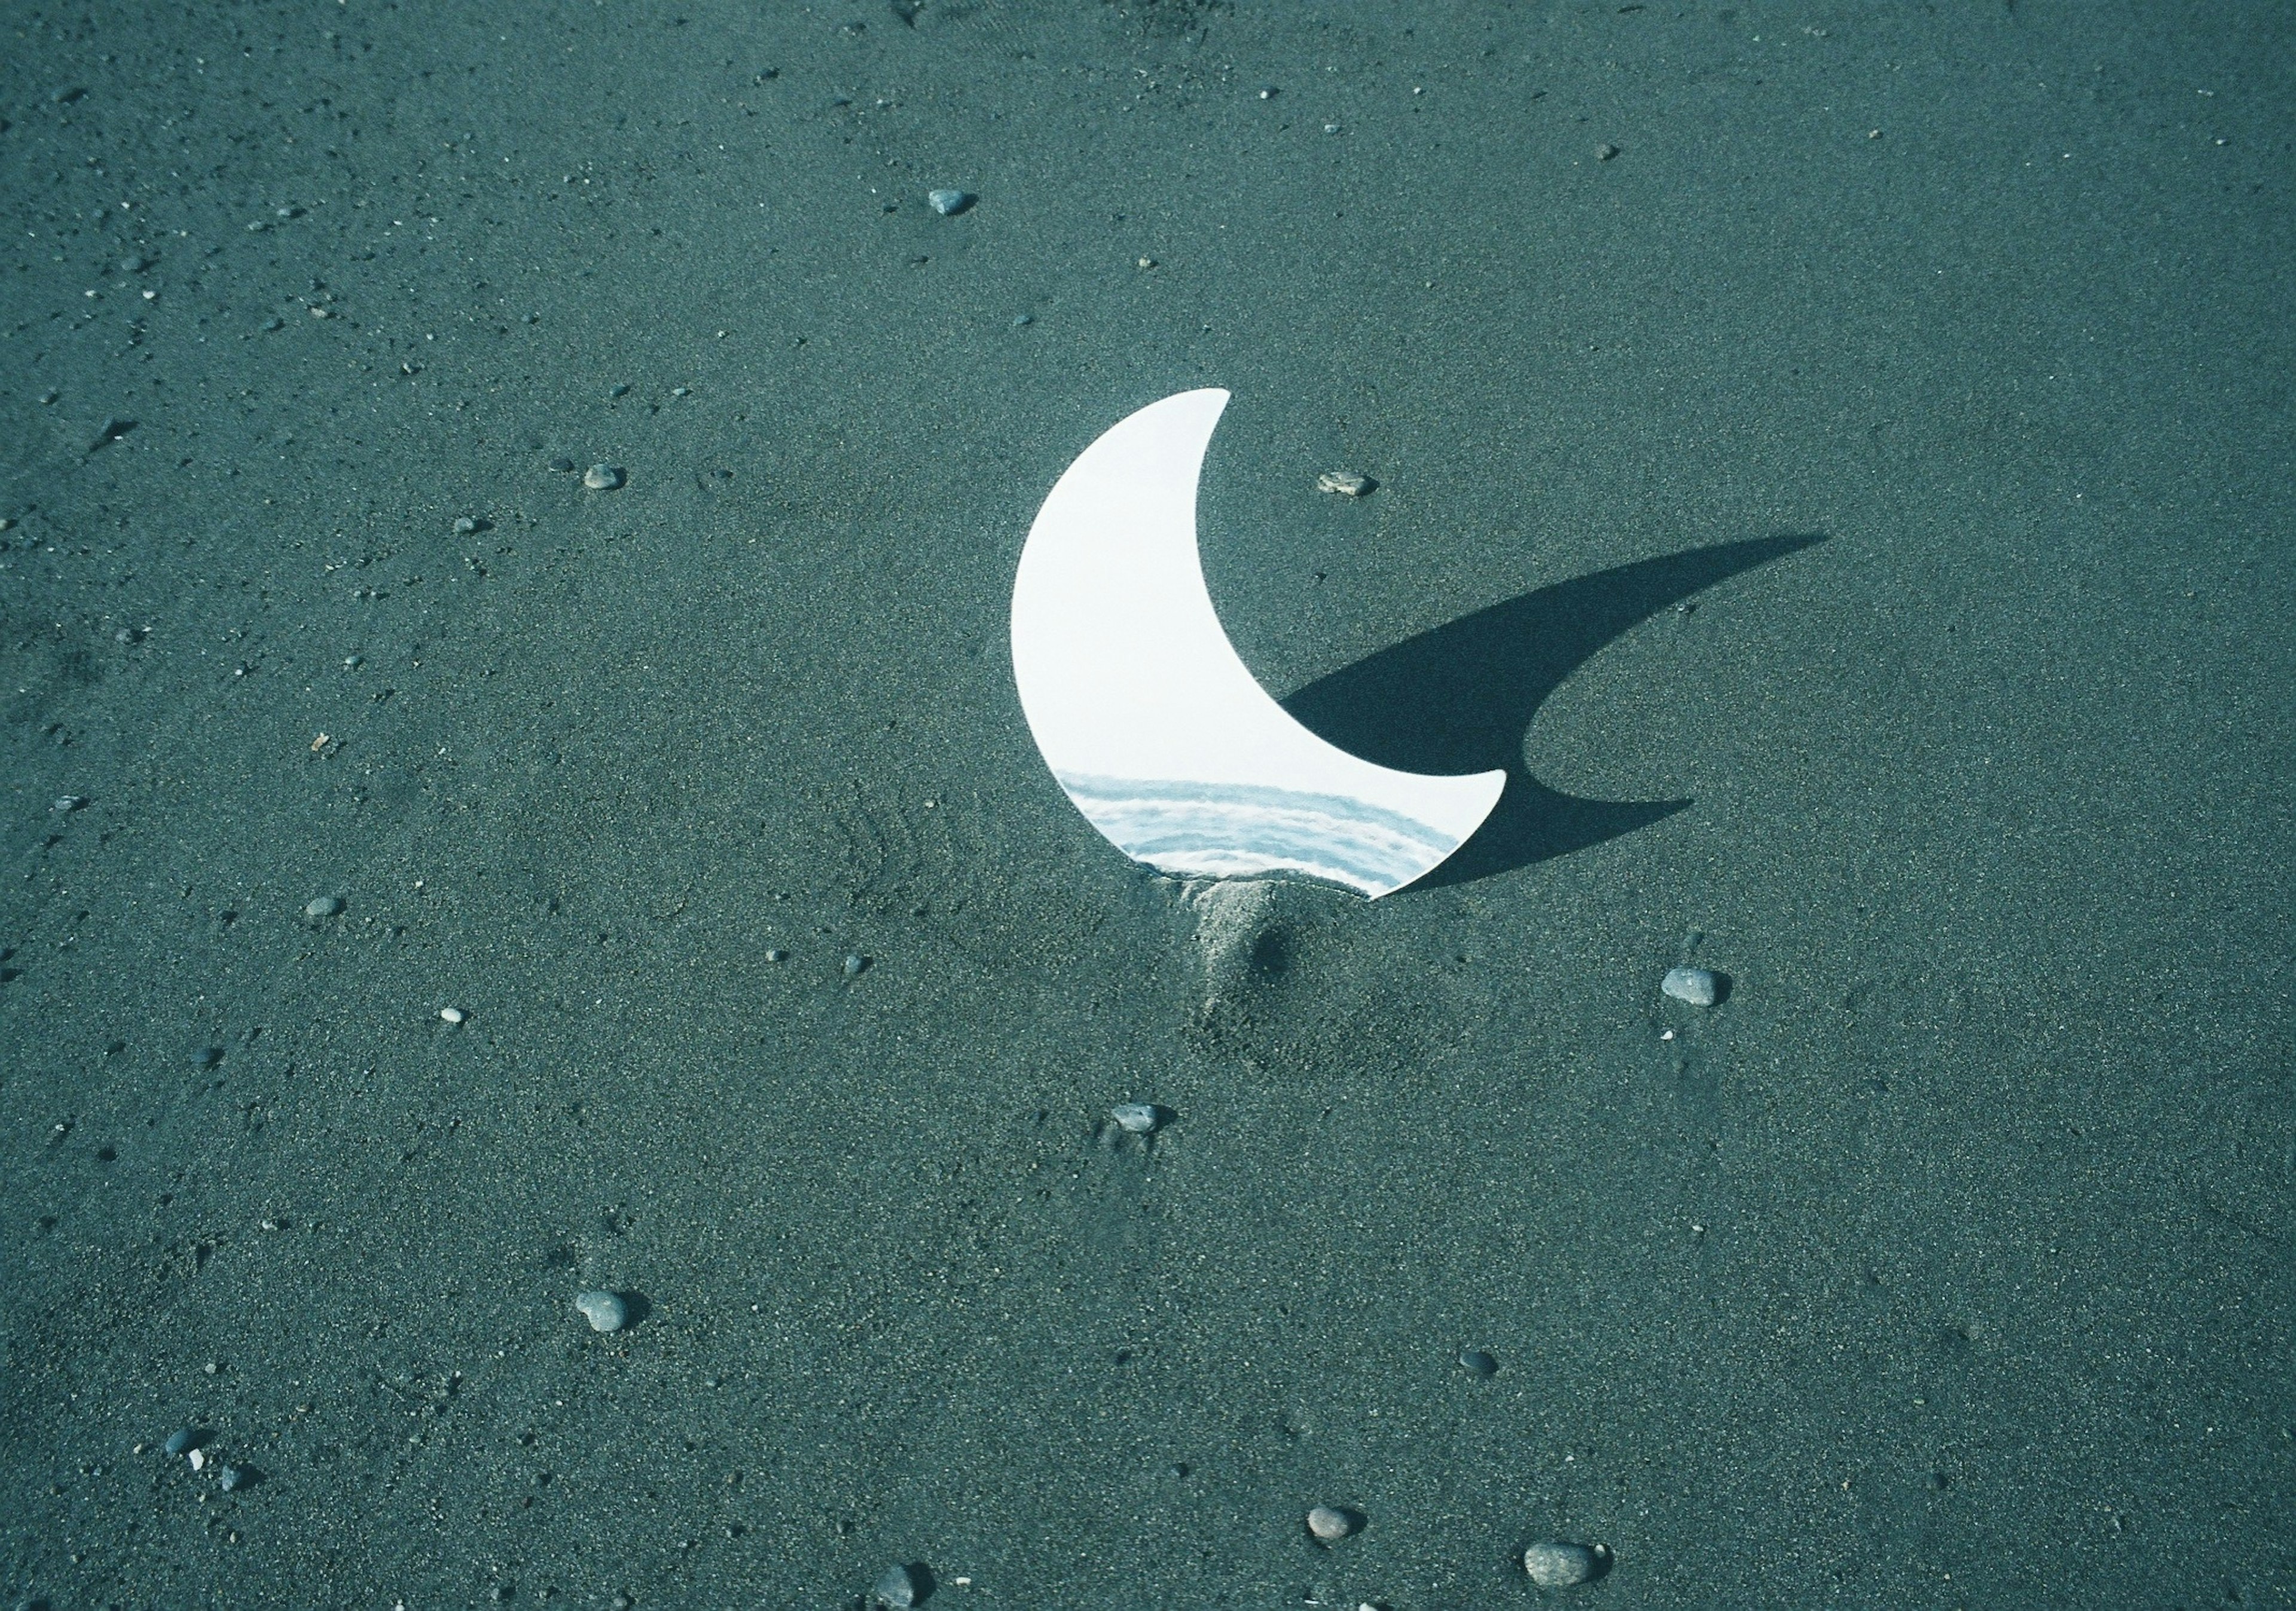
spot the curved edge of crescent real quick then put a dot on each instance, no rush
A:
(1284, 800)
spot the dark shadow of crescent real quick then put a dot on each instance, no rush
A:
(1460, 698)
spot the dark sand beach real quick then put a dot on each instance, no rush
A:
(1857, 509)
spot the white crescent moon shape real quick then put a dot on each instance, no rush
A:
(1151, 721)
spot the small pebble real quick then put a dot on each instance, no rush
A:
(64, 804)
(1695, 985)
(602, 477)
(776, 954)
(133, 265)
(1331, 1523)
(896, 1590)
(465, 525)
(450, 1015)
(1138, 1118)
(1020, 320)
(1344, 482)
(1603, 153)
(605, 1310)
(856, 964)
(1268, 92)
(1560, 1565)
(619, 390)
(181, 1441)
(275, 323)
(681, 391)
(197, 1458)
(323, 906)
(561, 464)
(230, 1477)
(50, 396)
(1474, 1361)
(948, 203)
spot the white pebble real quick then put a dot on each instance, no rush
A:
(1347, 483)
(1695, 985)
(198, 1459)
(451, 1015)
(948, 202)
(1560, 1565)
(602, 477)
(605, 1310)
(1331, 1523)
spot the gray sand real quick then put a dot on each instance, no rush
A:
(1944, 1262)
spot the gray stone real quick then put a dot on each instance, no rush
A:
(602, 477)
(231, 1477)
(465, 525)
(605, 1310)
(1137, 1119)
(181, 1441)
(895, 1589)
(856, 965)
(1474, 1361)
(1347, 483)
(561, 464)
(1557, 1565)
(321, 907)
(1332, 1523)
(948, 203)
(1696, 986)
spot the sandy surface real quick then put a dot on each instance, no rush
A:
(1945, 1262)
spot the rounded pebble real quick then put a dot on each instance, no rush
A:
(856, 965)
(602, 477)
(1696, 986)
(561, 464)
(1347, 483)
(323, 906)
(1560, 1565)
(1332, 1523)
(450, 1015)
(948, 203)
(1136, 1118)
(895, 1589)
(230, 1477)
(181, 1441)
(1604, 153)
(605, 1310)
(1474, 1361)
(465, 525)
